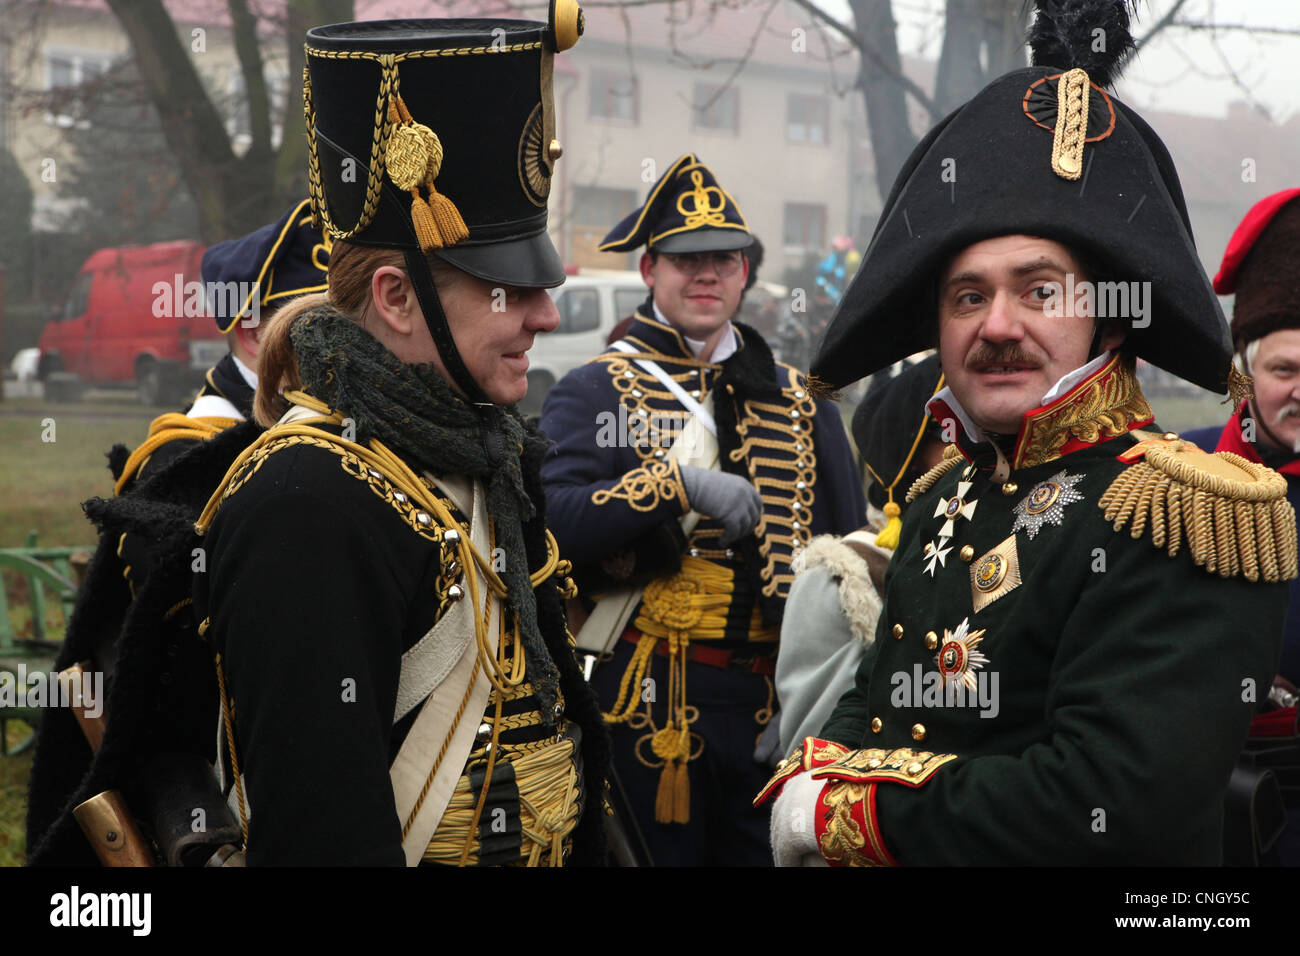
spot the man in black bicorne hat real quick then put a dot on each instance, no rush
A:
(1082, 615)
(688, 467)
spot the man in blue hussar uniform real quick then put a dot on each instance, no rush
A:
(688, 467)
(1083, 612)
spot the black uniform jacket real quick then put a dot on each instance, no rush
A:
(320, 575)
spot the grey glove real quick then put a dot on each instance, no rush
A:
(724, 497)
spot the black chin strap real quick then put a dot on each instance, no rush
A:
(1095, 348)
(417, 267)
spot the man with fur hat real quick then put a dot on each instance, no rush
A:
(1082, 615)
(688, 467)
(1260, 267)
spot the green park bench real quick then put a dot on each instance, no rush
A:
(49, 577)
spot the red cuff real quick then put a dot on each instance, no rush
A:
(813, 752)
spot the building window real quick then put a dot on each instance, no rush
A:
(805, 226)
(614, 96)
(806, 119)
(65, 73)
(716, 108)
(594, 212)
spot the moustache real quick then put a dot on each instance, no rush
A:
(1010, 354)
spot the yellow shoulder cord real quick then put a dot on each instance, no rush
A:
(166, 428)
(888, 537)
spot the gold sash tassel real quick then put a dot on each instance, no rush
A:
(1232, 513)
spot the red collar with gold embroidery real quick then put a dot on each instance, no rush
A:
(1105, 405)
(1231, 439)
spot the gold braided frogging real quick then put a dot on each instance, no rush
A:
(1231, 513)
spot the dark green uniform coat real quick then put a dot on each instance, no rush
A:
(1118, 685)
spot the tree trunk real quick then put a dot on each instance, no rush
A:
(892, 138)
(190, 122)
(291, 161)
(959, 73)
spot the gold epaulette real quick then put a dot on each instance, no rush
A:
(1232, 512)
(951, 457)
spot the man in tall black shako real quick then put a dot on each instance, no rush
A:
(163, 696)
(1082, 614)
(382, 597)
(688, 466)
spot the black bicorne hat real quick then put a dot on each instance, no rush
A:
(1043, 151)
(686, 211)
(440, 134)
(279, 261)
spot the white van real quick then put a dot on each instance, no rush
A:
(591, 302)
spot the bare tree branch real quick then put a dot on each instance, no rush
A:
(1218, 27)
(1159, 25)
(191, 124)
(871, 53)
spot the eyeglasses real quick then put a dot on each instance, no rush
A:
(690, 263)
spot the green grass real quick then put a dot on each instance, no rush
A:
(13, 798)
(42, 483)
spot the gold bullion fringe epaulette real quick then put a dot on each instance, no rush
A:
(1231, 512)
(951, 457)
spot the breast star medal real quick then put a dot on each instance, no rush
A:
(1045, 503)
(958, 659)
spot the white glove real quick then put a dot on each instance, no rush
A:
(794, 835)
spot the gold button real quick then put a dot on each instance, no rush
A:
(931, 640)
(1010, 488)
(876, 724)
(918, 731)
(1170, 436)
(914, 768)
(898, 631)
(967, 552)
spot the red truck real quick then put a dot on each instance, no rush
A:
(133, 314)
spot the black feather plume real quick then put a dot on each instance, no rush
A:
(1064, 34)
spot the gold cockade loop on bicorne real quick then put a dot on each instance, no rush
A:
(1071, 124)
(703, 211)
(1106, 406)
